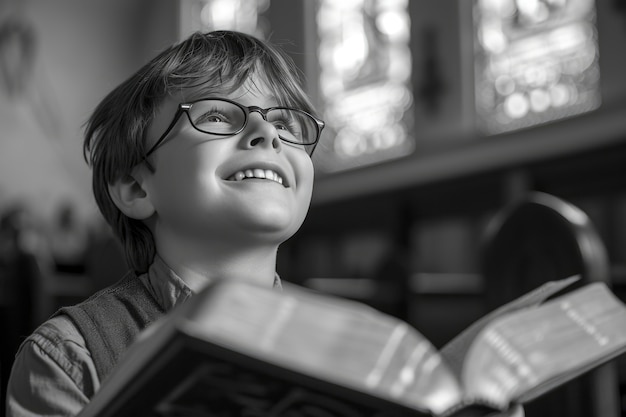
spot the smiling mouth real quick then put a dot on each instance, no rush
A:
(265, 174)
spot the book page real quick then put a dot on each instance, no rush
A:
(522, 355)
(341, 341)
(454, 351)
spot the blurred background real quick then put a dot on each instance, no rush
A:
(443, 118)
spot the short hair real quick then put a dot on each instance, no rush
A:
(115, 132)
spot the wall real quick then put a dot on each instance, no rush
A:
(84, 49)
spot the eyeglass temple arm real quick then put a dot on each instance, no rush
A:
(164, 135)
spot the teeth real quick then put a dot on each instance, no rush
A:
(257, 173)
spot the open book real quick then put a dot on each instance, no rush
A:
(242, 350)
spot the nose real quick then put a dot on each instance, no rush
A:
(259, 132)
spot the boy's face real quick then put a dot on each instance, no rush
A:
(195, 190)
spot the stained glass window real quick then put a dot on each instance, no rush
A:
(535, 61)
(241, 15)
(365, 71)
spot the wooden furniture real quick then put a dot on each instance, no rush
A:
(542, 238)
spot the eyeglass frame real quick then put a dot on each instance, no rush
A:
(247, 110)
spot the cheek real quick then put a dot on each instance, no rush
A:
(185, 182)
(305, 175)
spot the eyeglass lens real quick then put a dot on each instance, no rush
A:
(223, 117)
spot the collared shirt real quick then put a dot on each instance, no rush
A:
(54, 374)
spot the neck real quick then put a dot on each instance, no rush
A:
(254, 264)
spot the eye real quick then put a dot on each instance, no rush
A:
(280, 125)
(215, 118)
(211, 117)
(287, 125)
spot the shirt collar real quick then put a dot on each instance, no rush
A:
(168, 288)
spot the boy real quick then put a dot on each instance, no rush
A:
(202, 165)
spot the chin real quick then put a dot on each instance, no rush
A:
(276, 230)
(273, 227)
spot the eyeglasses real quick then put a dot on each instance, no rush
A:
(223, 117)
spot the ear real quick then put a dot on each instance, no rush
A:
(129, 196)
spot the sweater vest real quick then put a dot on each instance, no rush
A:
(111, 319)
